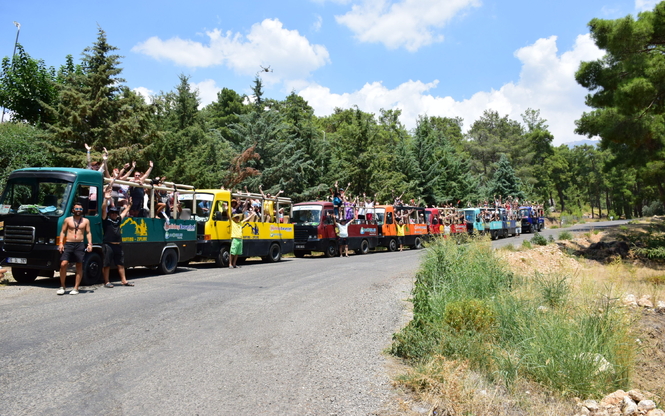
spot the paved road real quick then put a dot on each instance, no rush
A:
(301, 337)
(578, 228)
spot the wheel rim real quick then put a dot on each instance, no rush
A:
(364, 247)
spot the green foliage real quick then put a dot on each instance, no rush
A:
(22, 147)
(526, 244)
(539, 240)
(26, 87)
(565, 235)
(468, 307)
(472, 315)
(505, 183)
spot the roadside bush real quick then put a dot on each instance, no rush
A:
(539, 240)
(654, 208)
(468, 307)
(565, 235)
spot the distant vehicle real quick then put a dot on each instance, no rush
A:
(36, 201)
(532, 219)
(415, 226)
(315, 230)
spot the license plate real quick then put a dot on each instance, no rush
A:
(300, 246)
(17, 260)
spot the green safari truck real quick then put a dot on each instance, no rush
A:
(36, 201)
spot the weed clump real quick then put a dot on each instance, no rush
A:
(469, 308)
(565, 235)
(539, 240)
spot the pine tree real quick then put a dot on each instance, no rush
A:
(95, 108)
(505, 183)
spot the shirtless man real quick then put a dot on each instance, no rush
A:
(74, 228)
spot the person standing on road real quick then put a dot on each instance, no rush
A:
(73, 230)
(236, 237)
(400, 233)
(113, 253)
(343, 236)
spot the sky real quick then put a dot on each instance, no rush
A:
(447, 58)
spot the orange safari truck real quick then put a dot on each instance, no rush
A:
(415, 226)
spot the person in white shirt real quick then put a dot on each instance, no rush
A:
(342, 227)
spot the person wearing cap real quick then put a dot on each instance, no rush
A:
(236, 237)
(112, 243)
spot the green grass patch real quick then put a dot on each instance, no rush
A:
(565, 235)
(469, 307)
(539, 240)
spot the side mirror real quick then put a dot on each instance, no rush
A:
(217, 216)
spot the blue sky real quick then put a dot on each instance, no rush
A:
(436, 57)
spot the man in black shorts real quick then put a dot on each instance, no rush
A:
(74, 249)
(113, 254)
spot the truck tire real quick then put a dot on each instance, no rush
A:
(418, 243)
(222, 259)
(274, 254)
(331, 250)
(92, 269)
(364, 247)
(392, 245)
(24, 275)
(169, 262)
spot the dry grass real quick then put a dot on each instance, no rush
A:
(447, 387)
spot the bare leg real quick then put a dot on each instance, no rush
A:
(105, 272)
(79, 275)
(63, 272)
(123, 277)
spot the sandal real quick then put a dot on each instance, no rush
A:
(128, 284)
(109, 285)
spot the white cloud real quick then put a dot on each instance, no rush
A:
(145, 93)
(267, 44)
(546, 83)
(642, 5)
(207, 89)
(407, 23)
(316, 26)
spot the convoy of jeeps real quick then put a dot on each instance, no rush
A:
(36, 201)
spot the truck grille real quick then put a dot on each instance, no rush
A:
(19, 236)
(300, 235)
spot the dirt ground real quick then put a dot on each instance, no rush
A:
(607, 260)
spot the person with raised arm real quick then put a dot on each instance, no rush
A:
(137, 193)
(112, 249)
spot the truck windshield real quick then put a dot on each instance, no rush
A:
(525, 212)
(306, 215)
(29, 196)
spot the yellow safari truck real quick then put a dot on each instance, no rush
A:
(268, 236)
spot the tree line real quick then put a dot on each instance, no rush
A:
(242, 141)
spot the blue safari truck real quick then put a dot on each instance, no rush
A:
(36, 201)
(532, 219)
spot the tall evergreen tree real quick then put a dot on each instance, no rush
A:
(505, 183)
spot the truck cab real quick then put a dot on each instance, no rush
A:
(532, 219)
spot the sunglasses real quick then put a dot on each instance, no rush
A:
(78, 210)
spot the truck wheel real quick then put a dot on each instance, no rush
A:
(418, 243)
(274, 254)
(169, 262)
(392, 245)
(222, 259)
(331, 251)
(364, 247)
(24, 275)
(92, 269)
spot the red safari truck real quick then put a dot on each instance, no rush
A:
(314, 230)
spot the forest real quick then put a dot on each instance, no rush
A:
(243, 141)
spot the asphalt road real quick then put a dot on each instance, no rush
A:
(577, 228)
(300, 337)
